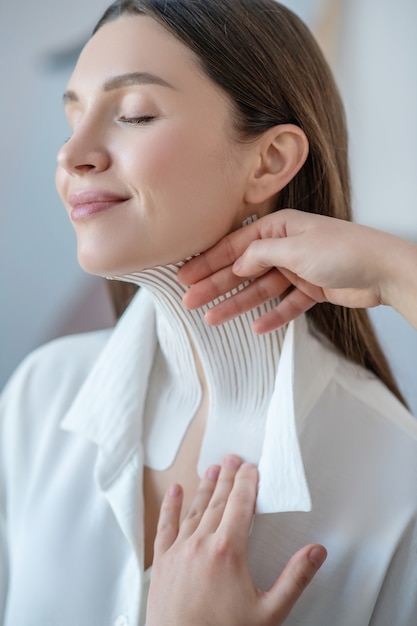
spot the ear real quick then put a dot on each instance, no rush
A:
(281, 153)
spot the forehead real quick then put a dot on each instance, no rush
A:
(136, 44)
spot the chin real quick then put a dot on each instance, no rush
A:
(95, 264)
(114, 262)
(110, 267)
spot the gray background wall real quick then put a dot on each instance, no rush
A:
(44, 293)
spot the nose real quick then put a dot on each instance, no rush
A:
(85, 152)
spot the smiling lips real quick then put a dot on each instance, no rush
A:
(87, 203)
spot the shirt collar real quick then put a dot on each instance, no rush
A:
(105, 410)
(109, 407)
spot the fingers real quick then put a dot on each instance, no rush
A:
(200, 502)
(228, 249)
(263, 289)
(261, 255)
(219, 256)
(169, 519)
(208, 506)
(216, 507)
(296, 576)
(212, 287)
(293, 305)
(239, 510)
(225, 502)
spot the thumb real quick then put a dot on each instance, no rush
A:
(296, 576)
(263, 254)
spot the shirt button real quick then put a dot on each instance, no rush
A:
(121, 621)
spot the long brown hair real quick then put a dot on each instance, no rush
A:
(270, 65)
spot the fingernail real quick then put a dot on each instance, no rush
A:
(317, 556)
(213, 472)
(174, 491)
(237, 265)
(232, 461)
(247, 465)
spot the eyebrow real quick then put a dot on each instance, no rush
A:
(123, 80)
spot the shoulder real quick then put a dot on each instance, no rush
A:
(356, 394)
(36, 399)
(65, 351)
(56, 368)
(368, 392)
(68, 351)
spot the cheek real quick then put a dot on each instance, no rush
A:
(175, 162)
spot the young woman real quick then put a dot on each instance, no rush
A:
(190, 118)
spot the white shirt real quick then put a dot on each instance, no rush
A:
(76, 430)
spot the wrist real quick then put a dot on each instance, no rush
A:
(398, 284)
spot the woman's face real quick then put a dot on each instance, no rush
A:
(150, 174)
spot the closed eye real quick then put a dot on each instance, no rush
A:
(136, 121)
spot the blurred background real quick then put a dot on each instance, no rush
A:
(372, 48)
